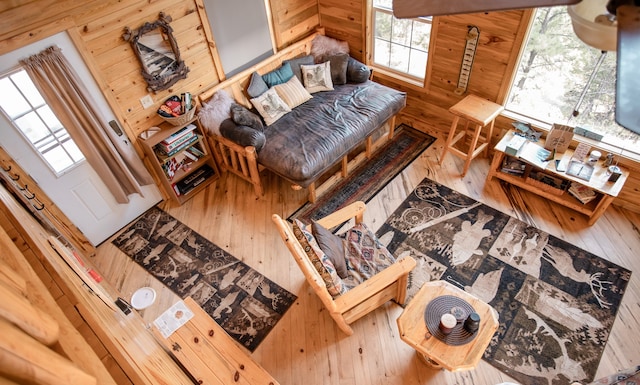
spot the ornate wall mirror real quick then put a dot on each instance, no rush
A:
(158, 53)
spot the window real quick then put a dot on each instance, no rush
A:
(23, 105)
(401, 45)
(562, 80)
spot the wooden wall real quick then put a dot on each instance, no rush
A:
(293, 19)
(346, 20)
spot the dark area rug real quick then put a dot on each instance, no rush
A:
(244, 302)
(369, 178)
(556, 302)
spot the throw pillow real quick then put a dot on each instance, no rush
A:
(242, 135)
(317, 77)
(365, 255)
(357, 72)
(270, 106)
(215, 110)
(293, 92)
(333, 246)
(295, 64)
(257, 86)
(323, 46)
(339, 68)
(319, 260)
(243, 117)
(278, 76)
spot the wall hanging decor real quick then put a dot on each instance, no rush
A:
(467, 60)
(158, 52)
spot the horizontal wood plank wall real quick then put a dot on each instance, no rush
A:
(345, 20)
(293, 20)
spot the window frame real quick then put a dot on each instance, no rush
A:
(392, 72)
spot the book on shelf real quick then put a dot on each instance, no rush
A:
(582, 193)
(179, 147)
(192, 181)
(511, 165)
(195, 151)
(179, 134)
(580, 170)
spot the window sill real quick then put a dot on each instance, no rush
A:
(385, 74)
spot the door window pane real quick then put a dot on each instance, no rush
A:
(23, 105)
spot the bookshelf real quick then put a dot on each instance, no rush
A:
(181, 159)
(553, 184)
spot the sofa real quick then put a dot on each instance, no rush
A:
(317, 112)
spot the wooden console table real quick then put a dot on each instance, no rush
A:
(599, 182)
(210, 355)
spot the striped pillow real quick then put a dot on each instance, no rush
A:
(292, 92)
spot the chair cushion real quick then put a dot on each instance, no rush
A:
(333, 246)
(365, 255)
(320, 261)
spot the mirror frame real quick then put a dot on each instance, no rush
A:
(158, 82)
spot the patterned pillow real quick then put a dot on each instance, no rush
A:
(365, 255)
(270, 106)
(319, 260)
(317, 77)
(292, 92)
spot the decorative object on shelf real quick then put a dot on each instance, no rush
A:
(177, 110)
(614, 173)
(467, 60)
(158, 52)
(559, 138)
(525, 130)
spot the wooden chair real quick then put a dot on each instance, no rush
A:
(390, 283)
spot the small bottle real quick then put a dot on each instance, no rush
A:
(472, 323)
(447, 323)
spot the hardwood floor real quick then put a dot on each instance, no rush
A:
(306, 346)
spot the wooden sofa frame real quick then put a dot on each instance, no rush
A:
(243, 161)
(389, 284)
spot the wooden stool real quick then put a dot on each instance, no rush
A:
(480, 112)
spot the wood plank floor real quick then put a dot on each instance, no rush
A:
(306, 347)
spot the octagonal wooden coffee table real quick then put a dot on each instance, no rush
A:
(434, 351)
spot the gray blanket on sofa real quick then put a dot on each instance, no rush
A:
(306, 142)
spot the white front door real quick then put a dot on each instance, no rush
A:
(79, 193)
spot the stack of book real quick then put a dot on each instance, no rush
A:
(582, 193)
(192, 181)
(513, 166)
(178, 141)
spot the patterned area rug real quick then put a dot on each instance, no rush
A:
(369, 178)
(245, 303)
(556, 302)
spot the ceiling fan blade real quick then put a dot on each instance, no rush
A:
(628, 78)
(418, 8)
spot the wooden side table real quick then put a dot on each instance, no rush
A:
(482, 113)
(413, 329)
